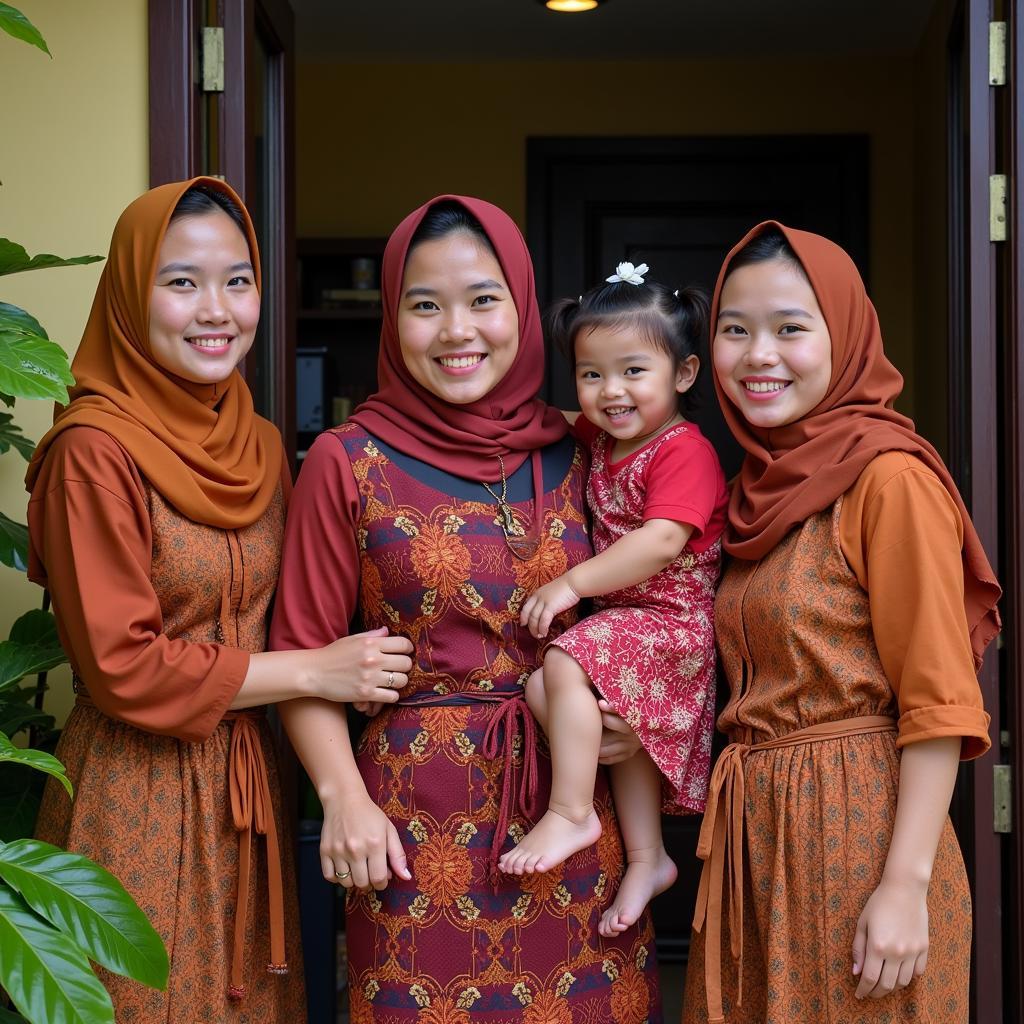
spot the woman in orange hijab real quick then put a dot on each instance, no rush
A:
(851, 622)
(156, 520)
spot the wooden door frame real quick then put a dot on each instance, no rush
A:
(175, 149)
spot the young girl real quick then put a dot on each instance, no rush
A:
(850, 621)
(657, 496)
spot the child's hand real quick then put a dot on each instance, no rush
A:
(544, 604)
(890, 948)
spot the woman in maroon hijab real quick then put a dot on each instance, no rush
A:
(449, 497)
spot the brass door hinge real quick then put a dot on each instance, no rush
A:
(997, 208)
(1002, 798)
(997, 53)
(213, 60)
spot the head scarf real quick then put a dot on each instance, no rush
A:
(794, 471)
(200, 445)
(509, 420)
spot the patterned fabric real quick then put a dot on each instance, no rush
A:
(457, 945)
(650, 649)
(794, 632)
(156, 811)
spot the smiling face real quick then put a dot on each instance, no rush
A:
(772, 350)
(458, 327)
(629, 387)
(204, 307)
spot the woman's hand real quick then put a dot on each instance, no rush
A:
(365, 667)
(545, 603)
(618, 741)
(358, 844)
(890, 948)
(370, 708)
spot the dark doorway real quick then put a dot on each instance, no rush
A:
(680, 205)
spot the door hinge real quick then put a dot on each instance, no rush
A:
(997, 208)
(213, 59)
(1002, 798)
(997, 53)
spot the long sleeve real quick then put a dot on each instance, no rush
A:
(902, 536)
(91, 544)
(318, 588)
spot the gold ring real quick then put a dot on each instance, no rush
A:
(391, 679)
(342, 874)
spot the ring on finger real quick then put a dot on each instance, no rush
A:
(342, 874)
(391, 679)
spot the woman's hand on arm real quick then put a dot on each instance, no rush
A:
(618, 741)
(358, 841)
(365, 667)
(890, 948)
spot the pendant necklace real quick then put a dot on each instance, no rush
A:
(523, 547)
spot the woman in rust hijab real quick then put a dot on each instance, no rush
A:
(451, 495)
(851, 622)
(156, 519)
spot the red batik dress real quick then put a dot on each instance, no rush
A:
(419, 551)
(650, 649)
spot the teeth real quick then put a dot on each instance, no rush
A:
(763, 385)
(457, 361)
(208, 342)
(618, 410)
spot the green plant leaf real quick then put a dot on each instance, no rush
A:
(10, 1017)
(47, 977)
(33, 647)
(12, 437)
(33, 367)
(16, 317)
(14, 259)
(13, 543)
(87, 903)
(37, 759)
(16, 716)
(14, 23)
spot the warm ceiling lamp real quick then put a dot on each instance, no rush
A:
(571, 6)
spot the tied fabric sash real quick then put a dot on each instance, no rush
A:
(499, 741)
(251, 806)
(721, 843)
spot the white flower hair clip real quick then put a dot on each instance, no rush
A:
(628, 274)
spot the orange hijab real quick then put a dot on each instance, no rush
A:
(794, 471)
(201, 446)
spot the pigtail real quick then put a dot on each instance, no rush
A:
(560, 327)
(691, 317)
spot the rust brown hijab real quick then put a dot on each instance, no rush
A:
(201, 446)
(794, 471)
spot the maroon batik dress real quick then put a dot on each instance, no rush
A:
(461, 943)
(649, 649)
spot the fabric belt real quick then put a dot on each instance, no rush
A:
(251, 808)
(721, 844)
(509, 709)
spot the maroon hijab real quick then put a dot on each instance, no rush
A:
(794, 471)
(510, 420)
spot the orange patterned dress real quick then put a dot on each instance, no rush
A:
(804, 642)
(157, 626)
(452, 764)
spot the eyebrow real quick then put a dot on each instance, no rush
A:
(191, 268)
(779, 312)
(419, 290)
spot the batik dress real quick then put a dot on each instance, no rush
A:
(454, 765)
(842, 645)
(649, 649)
(158, 616)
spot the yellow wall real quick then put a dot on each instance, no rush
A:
(74, 153)
(375, 140)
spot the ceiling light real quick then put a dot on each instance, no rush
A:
(571, 6)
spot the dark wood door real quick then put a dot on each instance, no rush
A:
(680, 205)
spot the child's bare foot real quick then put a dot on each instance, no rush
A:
(648, 873)
(554, 839)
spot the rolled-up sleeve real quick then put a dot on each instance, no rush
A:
(902, 536)
(91, 545)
